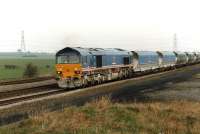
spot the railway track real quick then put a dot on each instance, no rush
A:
(25, 91)
(19, 90)
(20, 95)
(21, 98)
(22, 81)
(15, 96)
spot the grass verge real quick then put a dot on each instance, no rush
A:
(104, 117)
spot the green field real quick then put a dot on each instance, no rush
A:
(20, 63)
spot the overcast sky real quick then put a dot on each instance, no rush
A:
(50, 25)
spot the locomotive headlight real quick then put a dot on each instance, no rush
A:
(59, 72)
(77, 71)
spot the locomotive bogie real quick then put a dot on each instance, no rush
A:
(69, 83)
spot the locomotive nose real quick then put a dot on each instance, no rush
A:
(68, 70)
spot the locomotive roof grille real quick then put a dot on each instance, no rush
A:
(95, 51)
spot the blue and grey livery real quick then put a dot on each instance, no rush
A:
(97, 65)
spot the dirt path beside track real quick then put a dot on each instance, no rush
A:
(187, 90)
(178, 85)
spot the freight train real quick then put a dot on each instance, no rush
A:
(81, 67)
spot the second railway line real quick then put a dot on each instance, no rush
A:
(30, 96)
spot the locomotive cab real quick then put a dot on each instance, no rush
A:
(68, 67)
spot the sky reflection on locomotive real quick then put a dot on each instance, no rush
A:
(129, 24)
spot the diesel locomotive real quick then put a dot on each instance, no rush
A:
(80, 67)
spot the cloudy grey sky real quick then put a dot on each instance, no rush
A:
(50, 25)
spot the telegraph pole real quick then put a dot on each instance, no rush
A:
(23, 46)
(175, 45)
